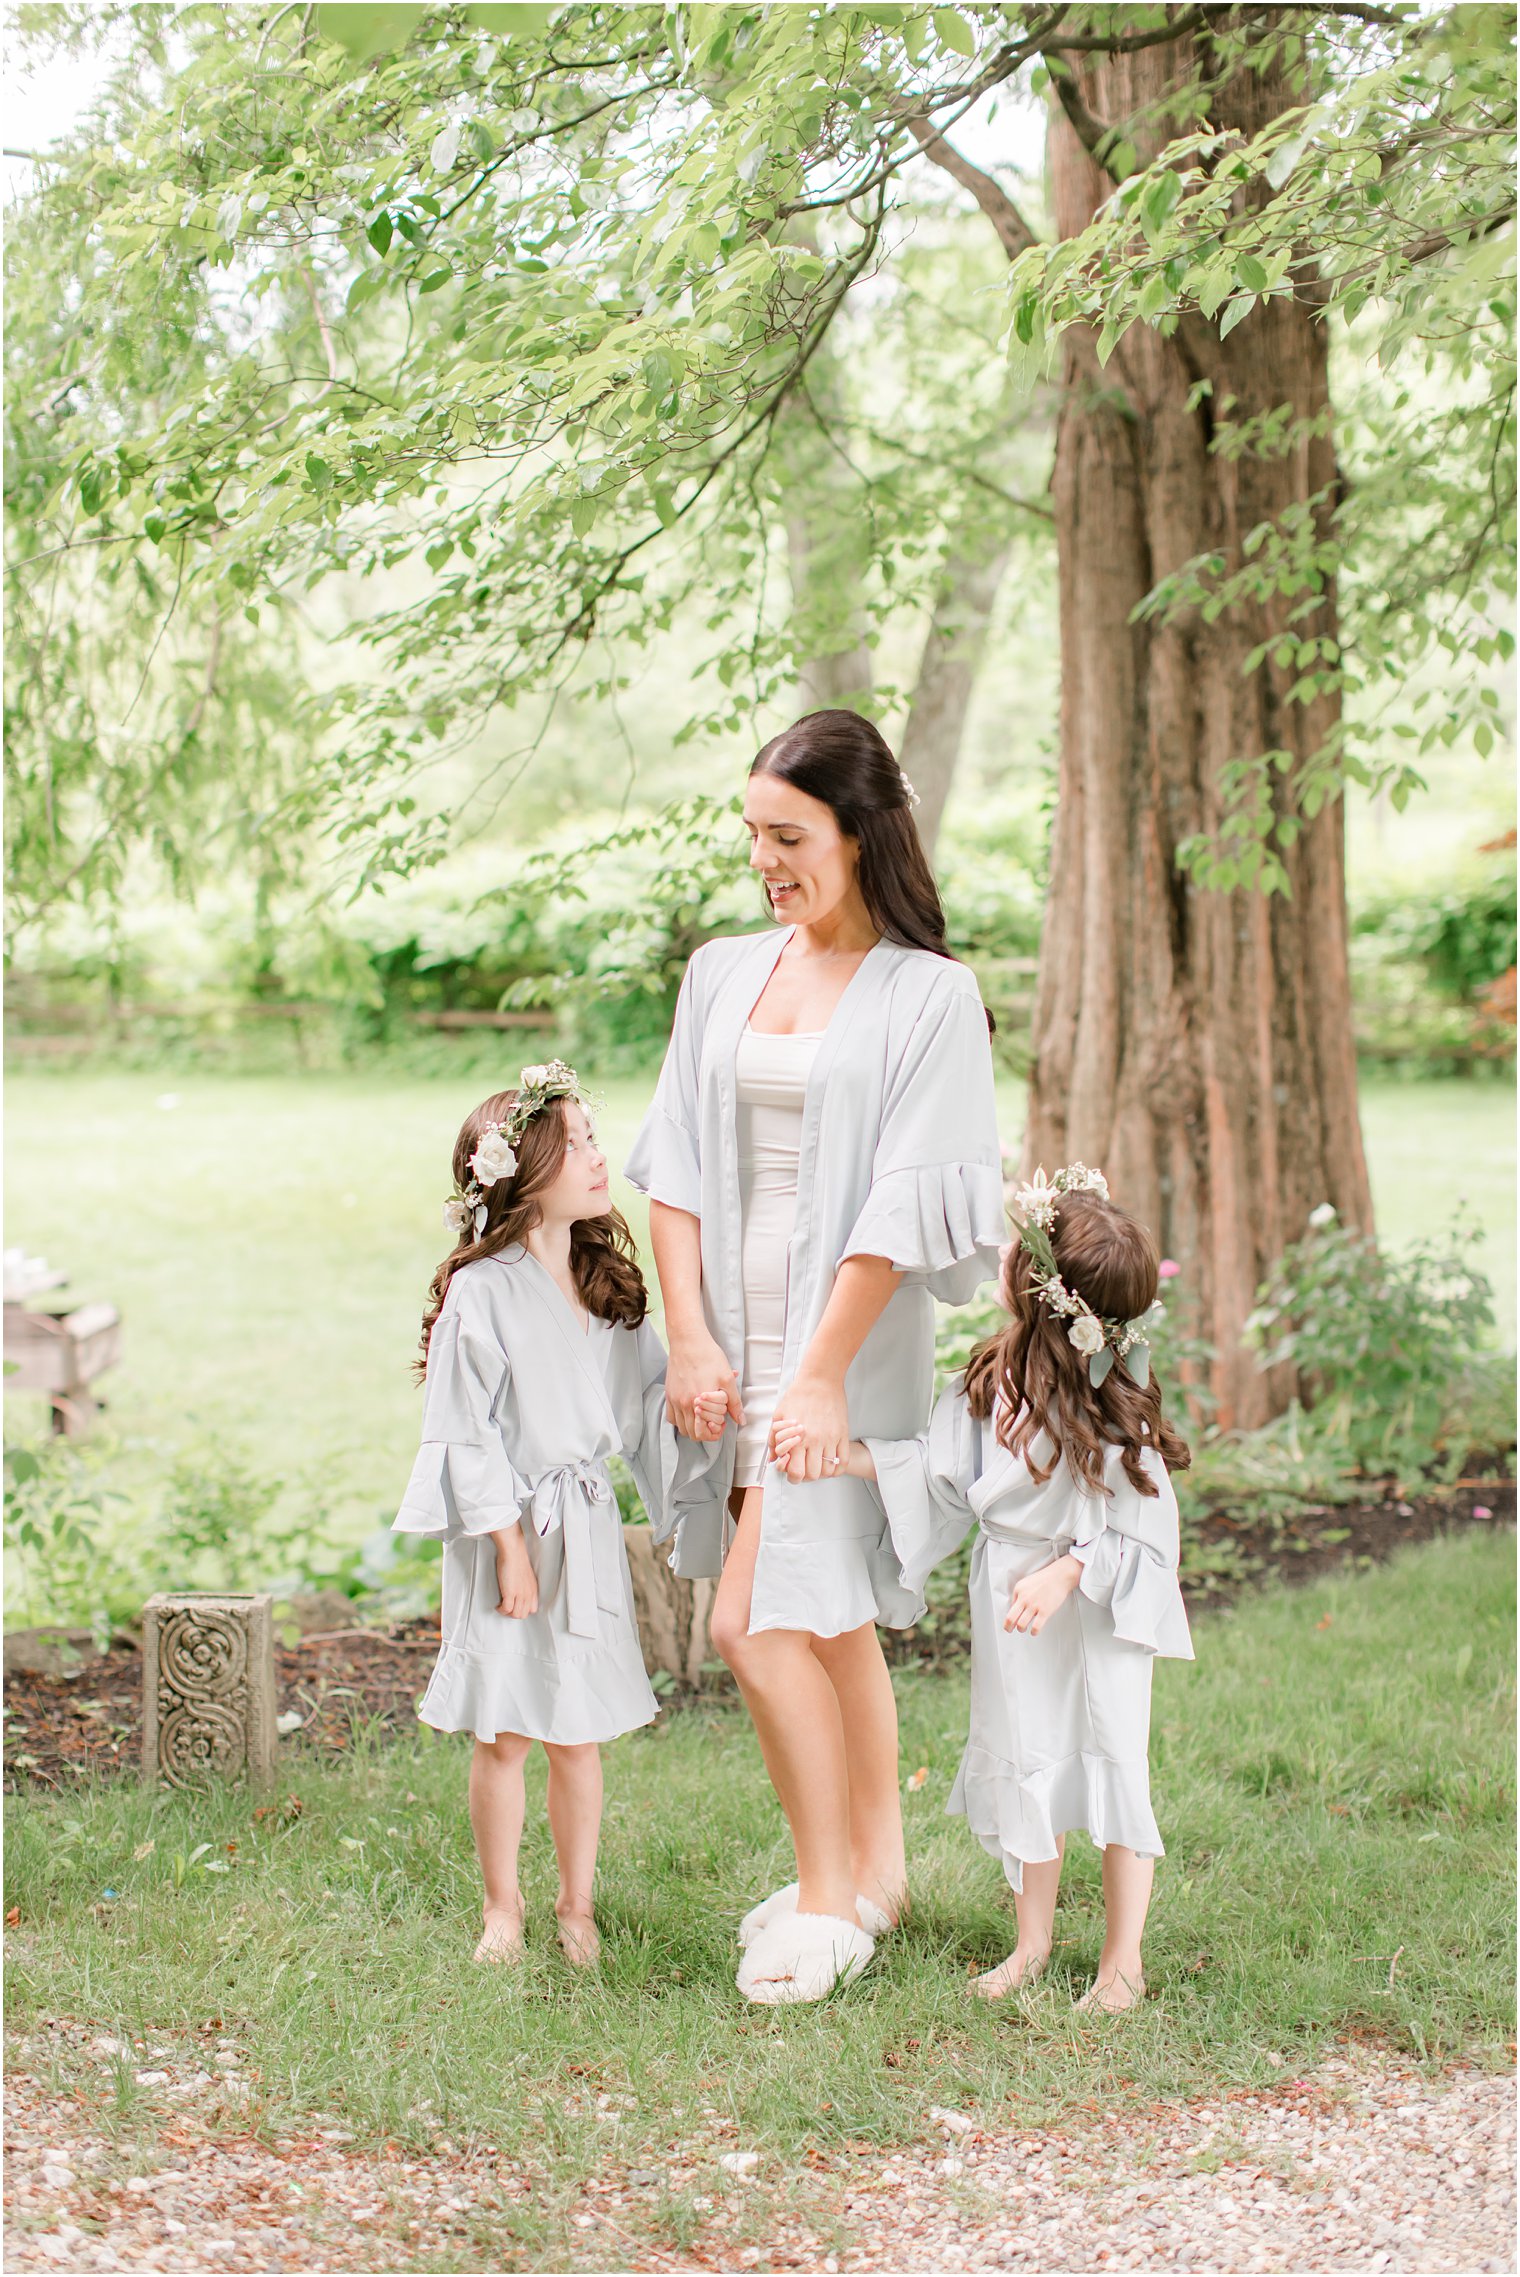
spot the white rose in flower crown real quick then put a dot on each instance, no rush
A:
(457, 1214)
(1086, 1333)
(1037, 1199)
(493, 1159)
(531, 1076)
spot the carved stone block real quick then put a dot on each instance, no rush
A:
(208, 1688)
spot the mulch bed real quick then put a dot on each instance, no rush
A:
(352, 1684)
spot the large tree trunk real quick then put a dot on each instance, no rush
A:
(1196, 1044)
(947, 670)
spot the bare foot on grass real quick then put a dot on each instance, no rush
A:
(1013, 1975)
(1113, 1994)
(502, 1938)
(579, 1940)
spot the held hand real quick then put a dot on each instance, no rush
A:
(858, 1461)
(701, 1390)
(516, 1582)
(1032, 1600)
(812, 1423)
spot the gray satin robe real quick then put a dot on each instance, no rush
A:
(899, 1159)
(521, 1411)
(1060, 1723)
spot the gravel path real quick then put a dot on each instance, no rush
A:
(1356, 2167)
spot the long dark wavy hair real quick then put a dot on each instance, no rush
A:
(842, 760)
(1034, 1378)
(603, 1255)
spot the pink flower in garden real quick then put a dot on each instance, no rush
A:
(1481, 1510)
(1168, 1269)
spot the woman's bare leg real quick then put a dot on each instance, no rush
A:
(1127, 1881)
(575, 1821)
(1035, 1906)
(857, 1669)
(497, 1804)
(798, 1723)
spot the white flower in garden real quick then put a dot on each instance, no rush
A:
(531, 1076)
(1086, 1334)
(1324, 1215)
(493, 1158)
(457, 1214)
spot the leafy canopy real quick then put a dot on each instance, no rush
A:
(512, 299)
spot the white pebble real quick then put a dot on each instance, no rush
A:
(739, 2162)
(151, 2078)
(56, 2175)
(954, 2122)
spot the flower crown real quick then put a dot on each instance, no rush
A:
(1101, 1342)
(495, 1155)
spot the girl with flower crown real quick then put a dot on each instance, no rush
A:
(539, 1363)
(1053, 1442)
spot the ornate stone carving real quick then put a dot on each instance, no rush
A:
(208, 1688)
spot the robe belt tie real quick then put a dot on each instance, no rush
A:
(578, 1499)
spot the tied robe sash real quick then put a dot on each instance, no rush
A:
(577, 1498)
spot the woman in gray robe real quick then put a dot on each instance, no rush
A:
(822, 1163)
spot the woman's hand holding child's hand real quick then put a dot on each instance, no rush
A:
(516, 1582)
(788, 1437)
(1032, 1600)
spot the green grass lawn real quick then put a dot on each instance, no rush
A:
(269, 1241)
(1334, 1780)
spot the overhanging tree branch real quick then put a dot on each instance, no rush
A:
(1014, 232)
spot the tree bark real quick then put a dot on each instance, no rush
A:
(1197, 1044)
(951, 659)
(672, 1615)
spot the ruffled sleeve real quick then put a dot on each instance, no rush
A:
(923, 1485)
(1127, 1546)
(682, 1483)
(665, 1159)
(462, 1481)
(935, 1205)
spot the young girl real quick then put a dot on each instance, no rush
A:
(1054, 1441)
(539, 1363)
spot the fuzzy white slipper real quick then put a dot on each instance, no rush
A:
(803, 1956)
(780, 1903)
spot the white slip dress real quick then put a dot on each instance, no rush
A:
(770, 1083)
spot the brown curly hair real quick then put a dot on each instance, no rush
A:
(1033, 1368)
(603, 1256)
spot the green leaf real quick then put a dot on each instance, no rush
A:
(380, 233)
(364, 288)
(434, 278)
(1099, 1364)
(954, 32)
(1251, 273)
(367, 30)
(1160, 198)
(665, 507)
(319, 473)
(438, 554)
(1138, 1363)
(583, 516)
(505, 20)
(1121, 158)
(1241, 306)
(154, 527)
